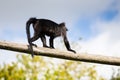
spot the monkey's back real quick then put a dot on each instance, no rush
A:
(49, 27)
(47, 23)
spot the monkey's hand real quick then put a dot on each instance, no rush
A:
(72, 50)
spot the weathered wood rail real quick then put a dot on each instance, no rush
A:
(60, 54)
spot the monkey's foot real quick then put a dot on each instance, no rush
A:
(34, 45)
(46, 46)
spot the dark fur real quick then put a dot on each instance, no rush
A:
(44, 27)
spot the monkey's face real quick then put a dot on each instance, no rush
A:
(62, 25)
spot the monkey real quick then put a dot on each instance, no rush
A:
(45, 27)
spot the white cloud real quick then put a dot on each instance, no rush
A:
(106, 39)
(101, 45)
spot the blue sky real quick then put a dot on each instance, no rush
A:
(97, 22)
(106, 15)
(83, 25)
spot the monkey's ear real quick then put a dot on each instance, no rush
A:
(62, 24)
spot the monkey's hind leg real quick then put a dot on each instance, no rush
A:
(34, 38)
(43, 39)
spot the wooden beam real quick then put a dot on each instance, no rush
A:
(60, 54)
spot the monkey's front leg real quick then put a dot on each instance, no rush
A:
(68, 45)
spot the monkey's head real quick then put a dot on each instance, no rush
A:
(62, 25)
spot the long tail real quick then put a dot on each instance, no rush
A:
(28, 37)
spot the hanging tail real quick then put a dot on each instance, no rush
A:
(28, 37)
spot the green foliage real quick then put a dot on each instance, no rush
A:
(39, 68)
(9, 72)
